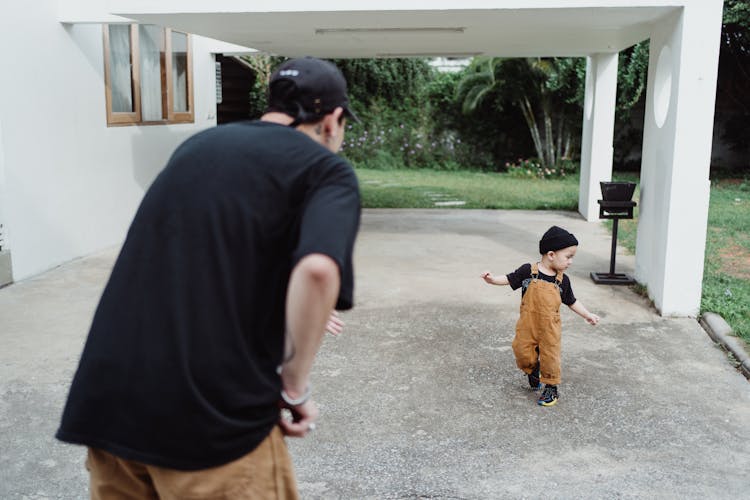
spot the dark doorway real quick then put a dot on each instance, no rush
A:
(236, 78)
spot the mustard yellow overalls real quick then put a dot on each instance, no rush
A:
(539, 328)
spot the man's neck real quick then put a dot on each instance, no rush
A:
(276, 117)
(312, 130)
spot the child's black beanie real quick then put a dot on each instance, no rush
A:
(556, 238)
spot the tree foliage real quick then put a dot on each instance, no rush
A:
(263, 65)
(399, 81)
(734, 74)
(488, 137)
(544, 90)
(737, 12)
(389, 95)
(632, 73)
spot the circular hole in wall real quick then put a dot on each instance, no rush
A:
(662, 85)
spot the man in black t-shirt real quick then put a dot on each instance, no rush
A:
(217, 304)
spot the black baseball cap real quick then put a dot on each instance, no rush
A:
(308, 88)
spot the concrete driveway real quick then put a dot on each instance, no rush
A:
(420, 397)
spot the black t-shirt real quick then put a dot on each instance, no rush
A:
(180, 366)
(516, 278)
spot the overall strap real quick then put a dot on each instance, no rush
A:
(559, 278)
(535, 270)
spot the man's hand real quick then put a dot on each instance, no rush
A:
(302, 419)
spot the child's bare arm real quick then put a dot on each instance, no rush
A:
(581, 310)
(494, 280)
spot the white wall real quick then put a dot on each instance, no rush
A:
(6, 275)
(4, 242)
(71, 183)
(2, 180)
(85, 11)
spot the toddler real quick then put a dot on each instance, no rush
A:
(544, 286)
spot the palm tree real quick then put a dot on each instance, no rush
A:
(481, 80)
(543, 89)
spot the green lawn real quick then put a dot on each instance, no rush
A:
(726, 281)
(423, 188)
(726, 284)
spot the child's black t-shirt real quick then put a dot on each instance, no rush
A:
(516, 278)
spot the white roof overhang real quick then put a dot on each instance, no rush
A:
(410, 28)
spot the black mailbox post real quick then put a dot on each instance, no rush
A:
(616, 204)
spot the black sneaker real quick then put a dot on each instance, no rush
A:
(549, 396)
(534, 382)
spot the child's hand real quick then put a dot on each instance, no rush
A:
(592, 319)
(335, 325)
(487, 276)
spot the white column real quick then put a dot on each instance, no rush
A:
(2, 175)
(3, 201)
(676, 157)
(6, 274)
(598, 131)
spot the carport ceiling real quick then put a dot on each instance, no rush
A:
(563, 31)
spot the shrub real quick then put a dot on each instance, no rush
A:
(399, 136)
(532, 167)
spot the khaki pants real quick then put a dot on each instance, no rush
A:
(264, 473)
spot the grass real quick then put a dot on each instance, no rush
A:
(726, 279)
(423, 188)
